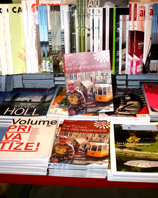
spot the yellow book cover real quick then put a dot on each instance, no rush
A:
(17, 38)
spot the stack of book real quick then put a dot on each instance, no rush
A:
(81, 149)
(26, 146)
(134, 152)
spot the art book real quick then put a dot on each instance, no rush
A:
(134, 148)
(84, 143)
(28, 139)
(27, 102)
(128, 103)
(151, 95)
(88, 82)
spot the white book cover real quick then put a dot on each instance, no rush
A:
(2, 41)
(147, 29)
(127, 42)
(7, 40)
(87, 30)
(28, 139)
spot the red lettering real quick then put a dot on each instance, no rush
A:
(10, 145)
(3, 144)
(18, 137)
(12, 127)
(22, 127)
(16, 148)
(7, 137)
(27, 146)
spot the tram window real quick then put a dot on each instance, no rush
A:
(99, 148)
(104, 147)
(104, 90)
(94, 148)
(99, 91)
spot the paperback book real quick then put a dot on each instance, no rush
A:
(81, 144)
(128, 103)
(27, 145)
(88, 82)
(134, 152)
(27, 102)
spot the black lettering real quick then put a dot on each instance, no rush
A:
(13, 9)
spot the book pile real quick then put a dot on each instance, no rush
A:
(26, 102)
(134, 152)
(81, 149)
(27, 145)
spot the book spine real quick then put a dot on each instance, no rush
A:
(120, 44)
(91, 30)
(95, 28)
(139, 16)
(107, 28)
(2, 41)
(100, 29)
(117, 40)
(111, 36)
(70, 27)
(127, 40)
(83, 26)
(113, 55)
(104, 29)
(79, 4)
(131, 39)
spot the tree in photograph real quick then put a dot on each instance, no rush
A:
(133, 139)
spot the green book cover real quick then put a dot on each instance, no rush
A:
(17, 38)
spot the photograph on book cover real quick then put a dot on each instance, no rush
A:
(88, 82)
(135, 147)
(27, 102)
(82, 143)
(128, 102)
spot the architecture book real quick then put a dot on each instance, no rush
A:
(88, 82)
(134, 152)
(151, 95)
(27, 102)
(81, 144)
(27, 145)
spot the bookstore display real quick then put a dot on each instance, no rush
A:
(61, 113)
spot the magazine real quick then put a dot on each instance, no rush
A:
(84, 143)
(88, 82)
(27, 102)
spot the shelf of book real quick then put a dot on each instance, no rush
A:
(72, 181)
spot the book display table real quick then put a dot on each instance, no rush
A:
(72, 181)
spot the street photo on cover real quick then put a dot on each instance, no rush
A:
(88, 82)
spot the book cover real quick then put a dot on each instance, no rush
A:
(151, 95)
(134, 149)
(27, 102)
(104, 3)
(79, 8)
(28, 139)
(128, 102)
(88, 82)
(139, 17)
(84, 143)
(17, 34)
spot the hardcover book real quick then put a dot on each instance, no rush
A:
(133, 152)
(82, 143)
(27, 102)
(151, 95)
(88, 82)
